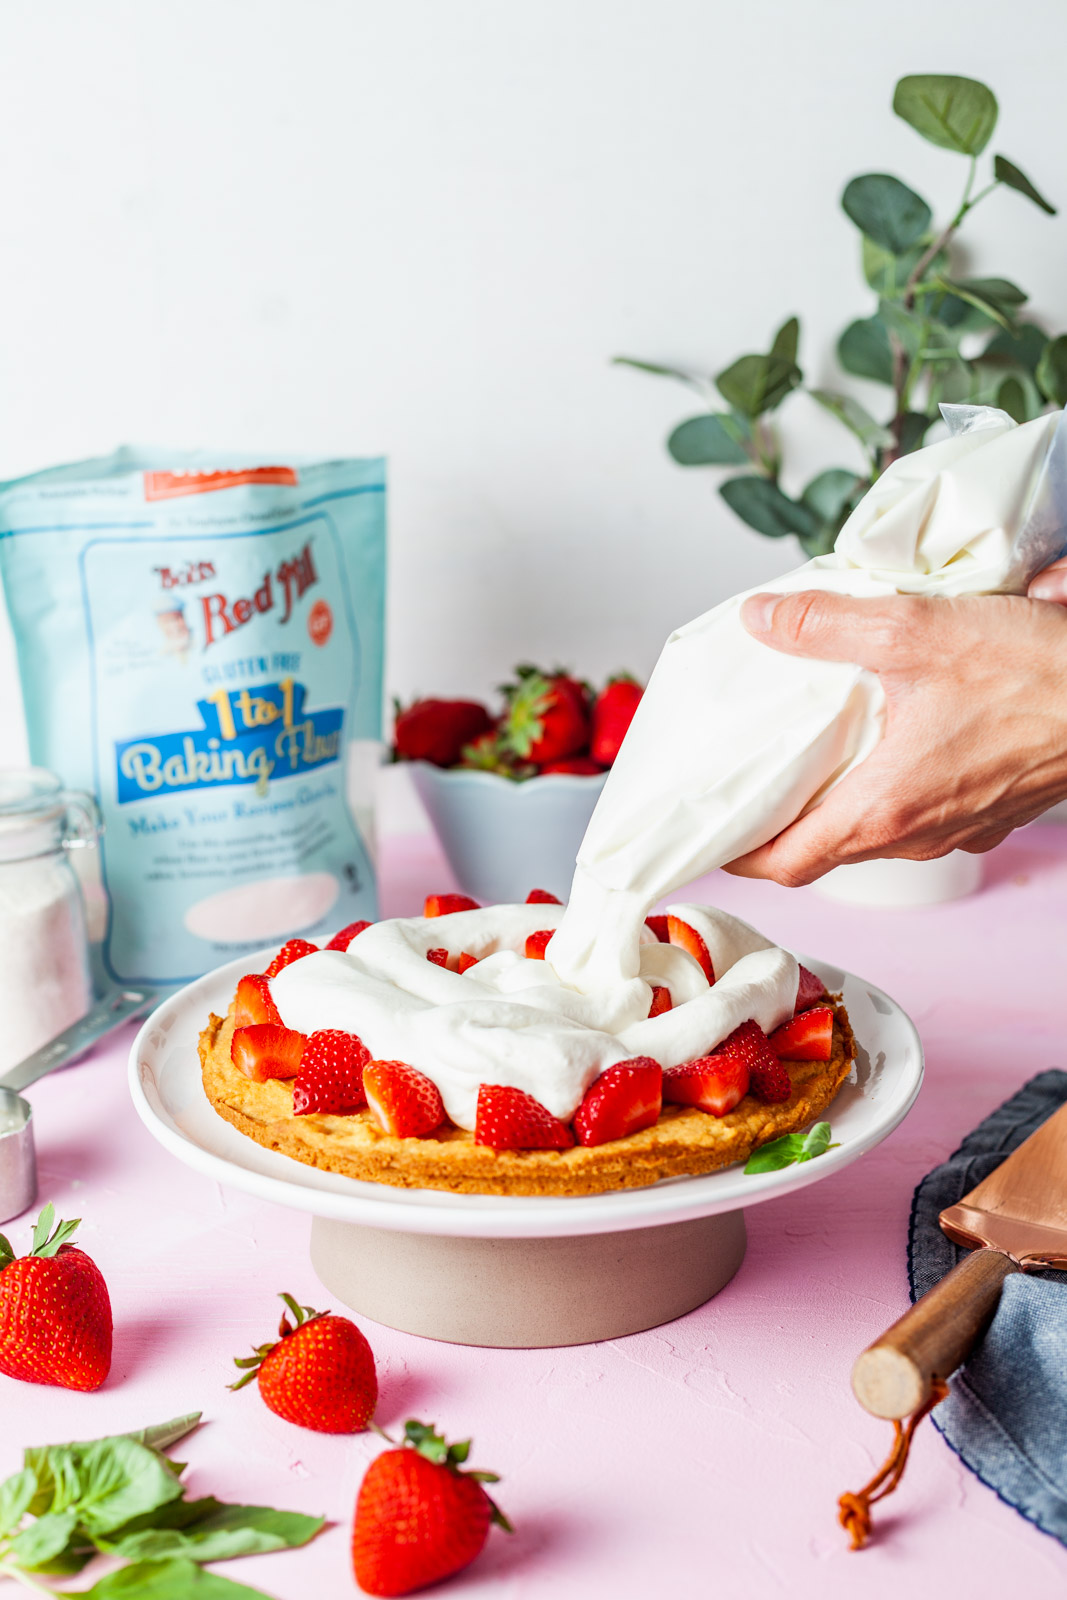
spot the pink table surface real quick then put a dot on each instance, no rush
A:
(702, 1457)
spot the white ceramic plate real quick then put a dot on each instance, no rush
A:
(166, 1088)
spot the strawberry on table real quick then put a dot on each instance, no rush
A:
(541, 897)
(343, 939)
(510, 1119)
(612, 714)
(547, 716)
(810, 989)
(443, 905)
(768, 1079)
(687, 938)
(55, 1312)
(437, 730)
(623, 1100)
(808, 1036)
(714, 1083)
(292, 950)
(404, 1101)
(252, 1002)
(319, 1374)
(419, 1518)
(661, 1000)
(537, 943)
(330, 1079)
(267, 1050)
(659, 927)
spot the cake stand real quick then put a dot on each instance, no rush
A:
(514, 1272)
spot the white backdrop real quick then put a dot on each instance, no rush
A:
(422, 227)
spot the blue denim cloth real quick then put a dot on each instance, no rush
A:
(1006, 1414)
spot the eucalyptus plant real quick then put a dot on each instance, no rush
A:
(936, 335)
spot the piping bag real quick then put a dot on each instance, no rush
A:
(733, 741)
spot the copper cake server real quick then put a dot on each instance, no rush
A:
(1013, 1220)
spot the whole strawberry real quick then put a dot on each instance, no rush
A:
(547, 716)
(55, 1313)
(612, 715)
(437, 730)
(418, 1517)
(320, 1374)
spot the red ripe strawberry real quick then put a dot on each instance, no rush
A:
(623, 1100)
(537, 943)
(330, 1079)
(541, 897)
(807, 1037)
(810, 990)
(55, 1314)
(466, 961)
(437, 730)
(769, 1080)
(267, 1050)
(252, 1002)
(659, 928)
(293, 950)
(342, 940)
(509, 1119)
(612, 715)
(661, 1000)
(687, 938)
(714, 1084)
(443, 905)
(547, 716)
(573, 766)
(320, 1374)
(419, 1519)
(404, 1101)
(438, 955)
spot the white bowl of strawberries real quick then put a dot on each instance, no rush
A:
(510, 796)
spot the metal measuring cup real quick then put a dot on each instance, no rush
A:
(18, 1159)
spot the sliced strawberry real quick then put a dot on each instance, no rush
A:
(438, 956)
(687, 938)
(342, 940)
(509, 1119)
(252, 1002)
(267, 1050)
(714, 1084)
(404, 1101)
(770, 1081)
(623, 1100)
(612, 715)
(574, 766)
(467, 961)
(331, 1074)
(661, 1000)
(442, 905)
(659, 928)
(541, 897)
(810, 990)
(537, 944)
(808, 1037)
(293, 950)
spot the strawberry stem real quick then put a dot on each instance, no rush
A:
(302, 1315)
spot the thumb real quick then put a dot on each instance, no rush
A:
(832, 627)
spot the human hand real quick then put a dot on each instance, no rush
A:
(1051, 584)
(976, 724)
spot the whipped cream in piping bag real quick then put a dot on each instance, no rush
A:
(732, 741)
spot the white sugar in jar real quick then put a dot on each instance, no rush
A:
(44, 953)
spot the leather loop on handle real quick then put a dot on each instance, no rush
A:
(894, 1376)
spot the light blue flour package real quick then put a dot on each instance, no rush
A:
(200, 644)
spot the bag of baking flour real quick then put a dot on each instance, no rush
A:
(200, 643)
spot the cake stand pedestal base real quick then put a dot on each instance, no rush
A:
(528, 1293)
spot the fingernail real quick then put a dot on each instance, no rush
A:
(1044, 588)
(757, 613)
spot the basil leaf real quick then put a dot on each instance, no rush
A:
(815, 1142)
(16, 1493)
(226, 1531)
(778, 1153)
(160, 1435)
(44, 1539)
(166, 1580)
(107, 1481)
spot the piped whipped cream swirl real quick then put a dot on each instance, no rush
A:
(510, 1020)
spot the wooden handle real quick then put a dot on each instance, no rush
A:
(893, 1377)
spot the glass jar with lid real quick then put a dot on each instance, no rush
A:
(44, 953)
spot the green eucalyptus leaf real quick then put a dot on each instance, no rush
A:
(43, 1540)
(786, 340)
(1006, 172)
(887, 274)
(708, 441)
(654, 368)
(761, 504)
(819, 543)
(833, 493)
(1011, 397)
(871, 434)
(912, 430)
(908, 327)
(222, 1533)
(1021, 346)
(166, 1580)
(1051, 371)
(886, 210)
(863, 349)
(754, 384)
(955, 113)
(16, 1493)
(974, 295)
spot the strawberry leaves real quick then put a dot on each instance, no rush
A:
(791, 1149)
(301, 1315)
(45, 1242)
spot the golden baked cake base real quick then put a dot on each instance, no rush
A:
(684, 1142)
